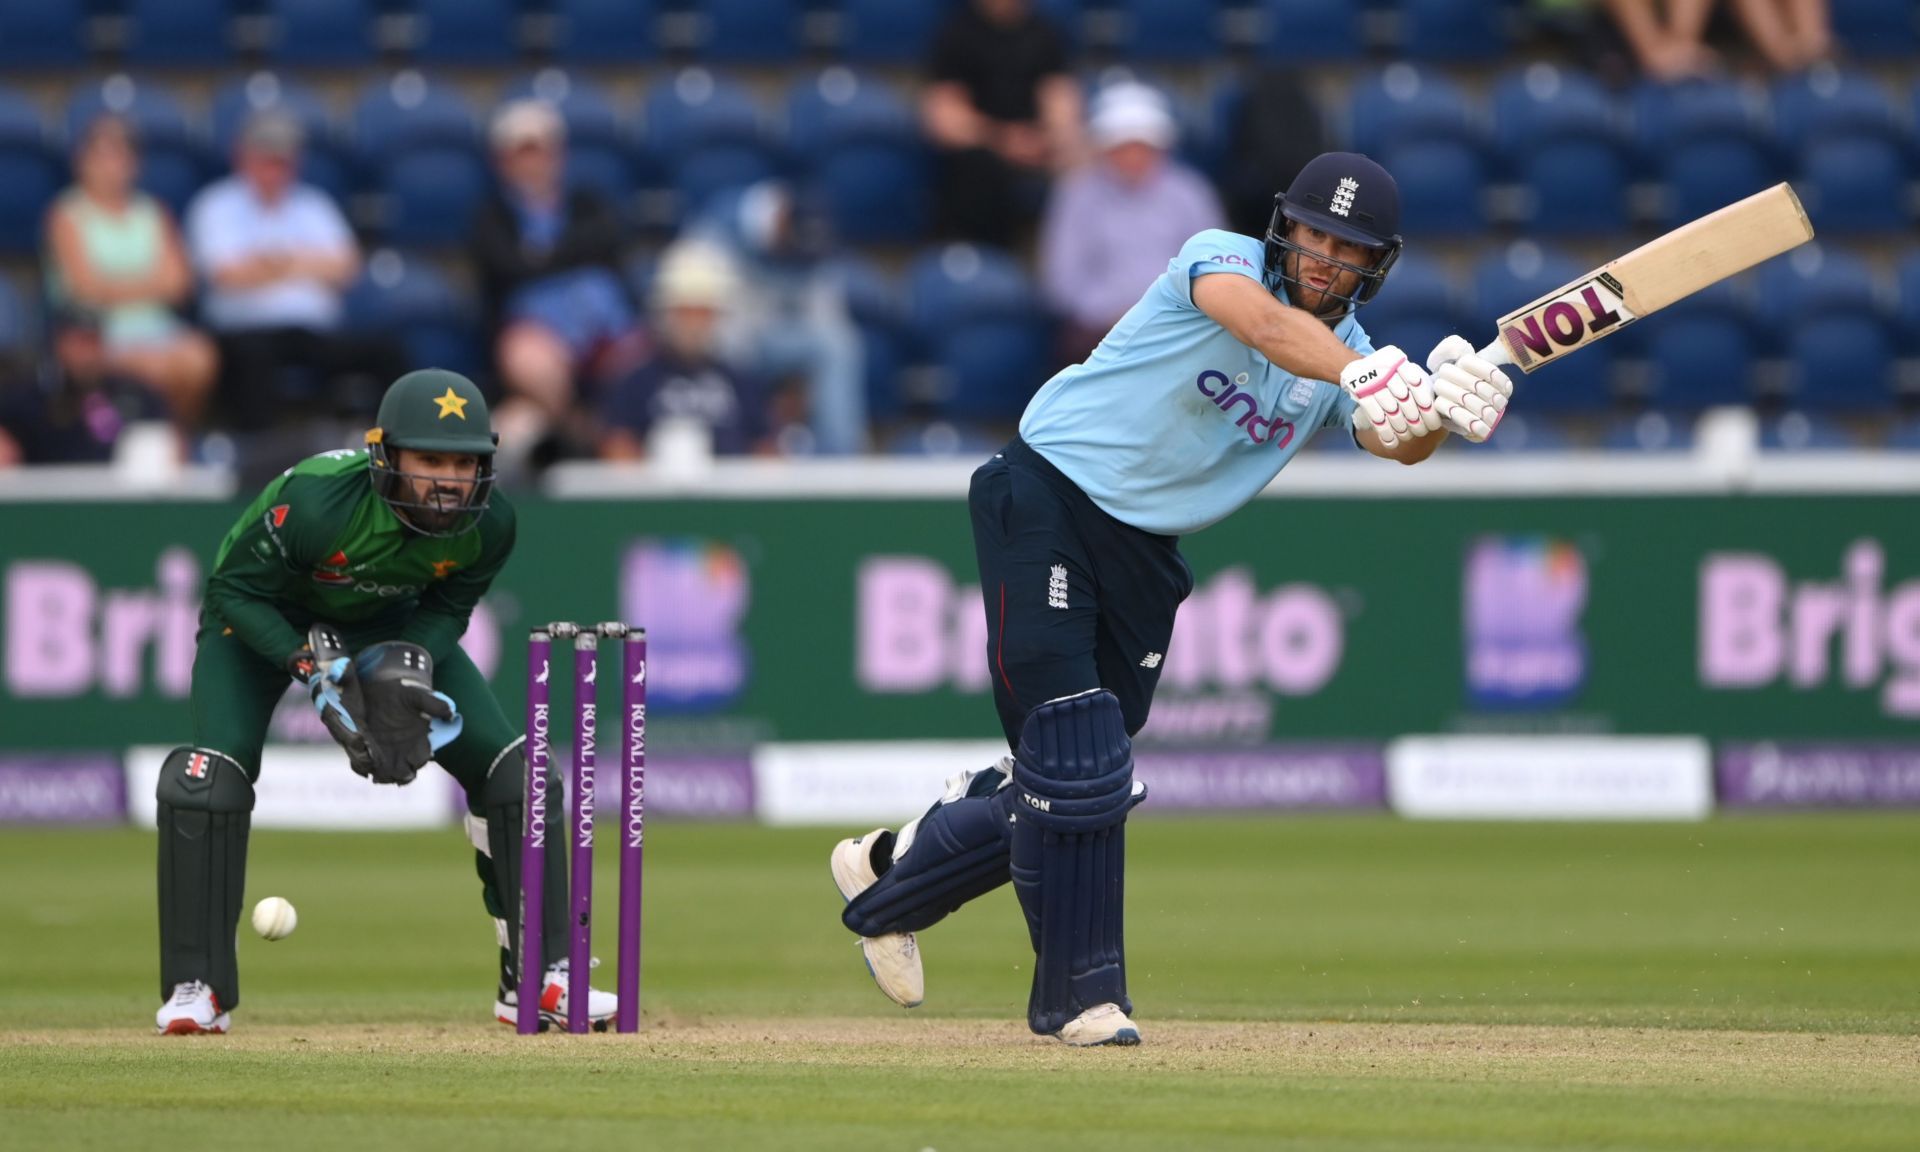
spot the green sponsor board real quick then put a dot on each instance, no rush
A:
(1737, 617)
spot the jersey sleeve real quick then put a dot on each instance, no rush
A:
(283, 537)
(1211, 252)
(440, 618)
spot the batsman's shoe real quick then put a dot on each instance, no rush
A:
(191, 1011)
(555, 1000)
(1100, 1024)
(893, 959)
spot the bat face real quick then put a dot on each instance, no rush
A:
(1575, 315)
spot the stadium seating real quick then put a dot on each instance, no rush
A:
(1824, 102)
(1452, 30)
(1417, 307)
(976, 314)
(1521, 433)
(417, 140)
(32, 173)
(1169, 29)
(1559, 134)
(1310, 31)
(707, 133)
(859, 146)
(320, 32)
(606, 31)
(16, 321)
(1805, 432)
(1700, 351)
(1401, 103)
(1823, 306)
(174, 159)
(464, 31)
(42, 34)
(178, 33)
(742, 31)
(888, 31)
(413, 300)
(1505, 280)
(1907, 306)
(878, 310)
(1649, 432)
(325, 161)
(1888, 28)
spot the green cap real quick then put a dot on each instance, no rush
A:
(434, 410)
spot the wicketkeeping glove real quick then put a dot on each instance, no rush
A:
(1472, 391)
(380, 706)
(1395, 398)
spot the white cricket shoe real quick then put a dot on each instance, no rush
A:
(193, 1010)
(893, 959)
(554, 1002)
(1100, 1024)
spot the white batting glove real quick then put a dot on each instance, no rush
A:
(1396, 398)
(1472, 392)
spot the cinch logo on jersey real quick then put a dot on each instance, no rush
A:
(333, 570)
(1228, 394)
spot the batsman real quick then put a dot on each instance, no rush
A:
(354, 573)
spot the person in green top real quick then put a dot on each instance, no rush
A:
(382, 553)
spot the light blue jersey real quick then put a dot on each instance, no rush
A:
(1172, 423)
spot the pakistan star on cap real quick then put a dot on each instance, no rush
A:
(354, 574)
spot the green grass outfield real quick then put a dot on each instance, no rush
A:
(1337, 982)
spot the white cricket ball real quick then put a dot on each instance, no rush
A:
(274, 918)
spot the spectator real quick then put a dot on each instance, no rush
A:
(1275, 128)
(278, 256)
(686, 380)
(791, 317)
(1669, 38)
(1111, 226)
(116, 271)
(1002, 113)
(1790, 34)
(548, 261)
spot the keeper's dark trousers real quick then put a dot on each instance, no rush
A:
(1075, 599)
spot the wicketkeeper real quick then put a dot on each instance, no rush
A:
(354, 573)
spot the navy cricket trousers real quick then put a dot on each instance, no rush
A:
(1075, 599)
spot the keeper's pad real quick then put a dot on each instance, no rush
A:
(953, 853)
(1073, 787)
(204, 813)
(496, 841)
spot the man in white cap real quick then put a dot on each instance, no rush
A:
(1111, 226)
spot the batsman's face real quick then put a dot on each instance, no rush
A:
(439, 484)
(1322, 282)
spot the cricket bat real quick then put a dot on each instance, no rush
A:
(1650, 277)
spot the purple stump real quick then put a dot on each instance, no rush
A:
(633, 805)
(586, 643)
(533, 831)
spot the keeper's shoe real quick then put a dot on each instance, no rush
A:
(554, 1002)
(1100, 1024)
(893, 959)
(192, 1010)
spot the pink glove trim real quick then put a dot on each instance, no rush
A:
(1385, 377)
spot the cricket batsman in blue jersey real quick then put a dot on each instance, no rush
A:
(1203, 391)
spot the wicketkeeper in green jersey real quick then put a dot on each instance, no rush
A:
(354, 573)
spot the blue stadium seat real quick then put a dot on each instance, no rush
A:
(325, 161)
(1711, 170)
(43, 34)
(1403, 103)
(1700, 351)
(889, 31)
(174, 160)
(178, 32)
(1416, 309)
(16, 320)
(410, 298)
(1440, 182)
(1854, 184)
(707, 132)
(978, 317)
(465, 31)
(1559, 134)
(1877, 27)
(32, 172)
(1452, 30)
(875, 302)
(1826, 308)
(606, 31)
(1169, 29)
(1310, 31)
(1907, 306)
(1522, 432)
(759, 31)
(1905, 436)
(1520, 274)
(330, 32)
(860, 149)
(598, 152)
(1805, 432)
(1824, 102)
(1649, 432)
(418, 142)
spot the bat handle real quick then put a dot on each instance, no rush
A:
(1496, 353)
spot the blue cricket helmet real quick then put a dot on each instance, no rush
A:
(1347, 195)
